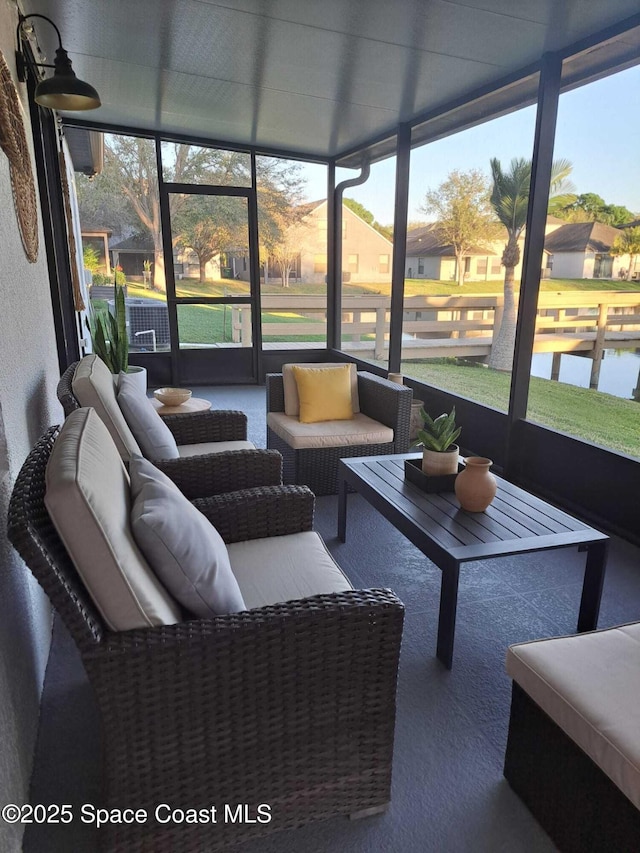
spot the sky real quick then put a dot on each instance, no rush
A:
(598, 131)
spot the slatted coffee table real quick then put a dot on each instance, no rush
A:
(515, 523)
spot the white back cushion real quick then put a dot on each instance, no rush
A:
(88, 499)
(291, 398)
(93, 385)
(152, 434)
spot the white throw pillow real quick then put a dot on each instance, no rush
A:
(152, 434)
(183, 548)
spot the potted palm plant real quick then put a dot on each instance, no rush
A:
(440, 452)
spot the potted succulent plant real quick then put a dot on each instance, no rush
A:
(437, 437)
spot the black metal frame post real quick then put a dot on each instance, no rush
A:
(169, 276)
(403, 161)
(541, 167)
(254, 272)
(56, 244)
(333, 302)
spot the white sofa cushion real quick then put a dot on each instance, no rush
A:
(94, 385)
(152, 434)
(285, 568)
(88, 499)
(213, 447)
(290, 386)
(184, 549)
(360, 429)
(589, 685)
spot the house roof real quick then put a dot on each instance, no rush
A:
(322, 79)
(581, 237)
(425, 241)
(136, 243)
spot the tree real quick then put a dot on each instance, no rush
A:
(90, 258)
(359, 210)
(102, 205)
(590, 207)
(127, 190)
(510, 200)
(126, 193)
(627, 243)
(368, 217)
(465, 218)
(210, 225)
(281, 215)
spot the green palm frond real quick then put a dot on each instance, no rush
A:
(510, 192)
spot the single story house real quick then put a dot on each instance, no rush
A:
(581, 250)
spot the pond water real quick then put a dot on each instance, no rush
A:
(619, 371)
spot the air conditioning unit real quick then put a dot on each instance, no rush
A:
(148, 323)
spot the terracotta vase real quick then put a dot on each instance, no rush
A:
(476, 486)
(438, 463)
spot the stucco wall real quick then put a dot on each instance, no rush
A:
(28, 373)
(570, 265)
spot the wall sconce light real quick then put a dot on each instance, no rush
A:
(63, 91)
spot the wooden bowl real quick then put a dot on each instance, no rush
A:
(172, 396)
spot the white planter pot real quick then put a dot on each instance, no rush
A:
(437, 463)
(139, 374)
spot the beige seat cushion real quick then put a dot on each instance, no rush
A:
(213, 447)
(359, 430)
(93, 385)
(87, 496)
(291, 398)
(285, 568)
(589, 684)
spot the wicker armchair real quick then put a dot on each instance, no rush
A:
(386, 402)
(191, 428)
(291, 705)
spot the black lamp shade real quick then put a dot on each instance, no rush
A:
(64, 91)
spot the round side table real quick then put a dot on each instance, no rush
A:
(195, 404)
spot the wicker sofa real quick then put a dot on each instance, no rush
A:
(310, 454)
(573, 752)
(290, 704)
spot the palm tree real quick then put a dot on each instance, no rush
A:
(510, 200)
(627, 243)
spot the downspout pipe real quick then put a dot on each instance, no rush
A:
(335, 336)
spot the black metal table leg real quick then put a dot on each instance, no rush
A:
(592, 586)
(447, 617)
(342, 508)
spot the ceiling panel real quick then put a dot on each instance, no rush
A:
(315, 77)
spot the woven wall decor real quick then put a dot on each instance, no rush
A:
(13, 142)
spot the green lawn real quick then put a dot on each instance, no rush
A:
(428, 287)
(190, 287)
(592, 415)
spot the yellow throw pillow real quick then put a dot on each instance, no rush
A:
(325, 393)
